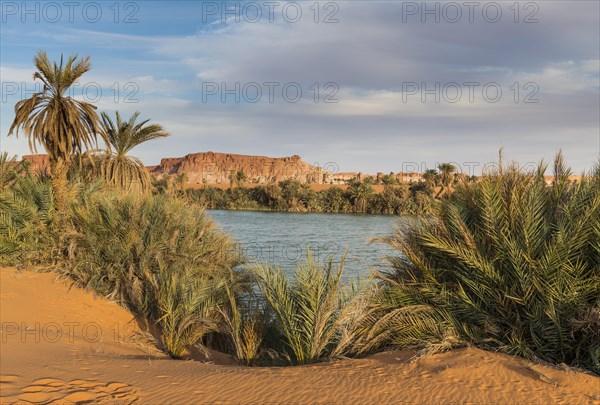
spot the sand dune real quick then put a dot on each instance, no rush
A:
(63, 345)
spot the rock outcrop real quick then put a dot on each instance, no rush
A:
(215, 168)
(38, 163)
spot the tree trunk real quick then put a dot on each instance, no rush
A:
(60, 188)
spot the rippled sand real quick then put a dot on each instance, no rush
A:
(62, 345)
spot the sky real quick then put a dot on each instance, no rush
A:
(371, 86)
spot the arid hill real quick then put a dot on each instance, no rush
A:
(215, 168)
(38, 162)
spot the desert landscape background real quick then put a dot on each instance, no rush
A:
(128, 283)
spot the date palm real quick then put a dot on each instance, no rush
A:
(430, 177)
(116, 167)
(240, 178)
(446, 172)
(509, 264)
(309, 309)
(10, 170)
(388, 181)
(181, 179)
(447, 175)
(232, 177)
(64, 126)
(359, 193)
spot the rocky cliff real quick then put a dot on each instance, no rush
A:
(215, 168)
(38, 163)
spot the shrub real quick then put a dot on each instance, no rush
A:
(26, 211)
(10, 170)
(247, 321)
(155, 255)
(510, 264)
(308, 310)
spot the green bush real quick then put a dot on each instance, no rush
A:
(248, 323)
(157, 256)
(309, 311)
(293, 196)
(26, 212)
(510, 264)
(163, 260)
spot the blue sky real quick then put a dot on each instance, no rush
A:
(409, 89)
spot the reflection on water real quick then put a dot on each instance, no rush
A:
(282, 238)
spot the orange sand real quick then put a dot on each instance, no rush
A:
(102, 358)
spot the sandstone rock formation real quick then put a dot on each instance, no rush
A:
(38, 163)
(215, 168)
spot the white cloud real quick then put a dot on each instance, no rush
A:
(369, 53)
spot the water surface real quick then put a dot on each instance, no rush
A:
(281, 238)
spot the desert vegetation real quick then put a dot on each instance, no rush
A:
(115, 166)
(507, 263)
(310, 309)
(356, 196)
(64, 126)
(292, 196)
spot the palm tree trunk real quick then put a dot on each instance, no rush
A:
(439, 193)
(58, 171)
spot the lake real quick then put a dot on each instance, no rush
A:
(281, 238)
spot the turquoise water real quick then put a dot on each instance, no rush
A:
(282, 238)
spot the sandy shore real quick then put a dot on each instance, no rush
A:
(62, 344)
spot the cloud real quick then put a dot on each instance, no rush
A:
(371, 53)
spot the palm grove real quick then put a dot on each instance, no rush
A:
(290, 195)
(506, 263)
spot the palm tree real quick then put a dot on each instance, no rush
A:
(232, 178)
(359, 193)
(334, 199)
(240, 178)
(65, 127)
(430, 176)
(116, 167)
(446, 172)
(509, 264)
(388, 180)
(309, 310)
(273, 192)
(181, 179)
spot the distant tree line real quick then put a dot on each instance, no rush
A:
(418, 198)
